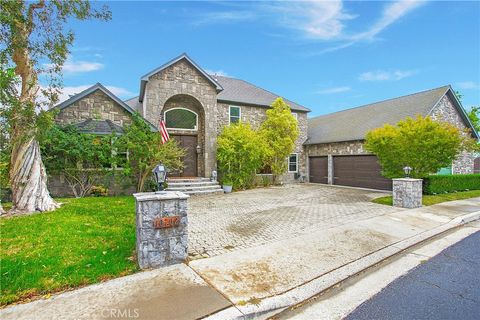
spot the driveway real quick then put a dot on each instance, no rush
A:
(223, 223)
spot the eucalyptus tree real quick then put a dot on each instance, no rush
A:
(34, 43)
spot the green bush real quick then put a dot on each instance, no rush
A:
(99, 191)
(450, 183)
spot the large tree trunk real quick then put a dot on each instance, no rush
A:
(29, 179)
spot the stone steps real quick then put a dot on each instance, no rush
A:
(194, 186)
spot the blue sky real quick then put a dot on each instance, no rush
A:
(327, 56)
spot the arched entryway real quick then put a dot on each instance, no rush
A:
(185, 121)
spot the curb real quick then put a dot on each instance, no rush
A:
(271, 306)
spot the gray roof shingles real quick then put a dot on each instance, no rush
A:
(243, 92)
(98, 127)
(353, 124)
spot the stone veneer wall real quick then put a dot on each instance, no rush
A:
(96, 105)
(255, 115)
(337, 148)
(183, 78)
(445, 111)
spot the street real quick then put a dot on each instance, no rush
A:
(445, 287)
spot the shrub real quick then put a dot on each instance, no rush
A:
(99, 191)
(450, 183)
(240, 153)
(423, 144)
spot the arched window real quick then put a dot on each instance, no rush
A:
(180, 118)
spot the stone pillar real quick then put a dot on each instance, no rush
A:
(407, 193)
(330, 169)
(161, 221)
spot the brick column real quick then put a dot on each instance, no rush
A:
(407, 193)
(161, 222)
(330, 169)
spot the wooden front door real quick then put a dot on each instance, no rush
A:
(189, 143)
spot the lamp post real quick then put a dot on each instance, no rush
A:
(407, 171)
(160, 175)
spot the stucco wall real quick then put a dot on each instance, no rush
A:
(96, 105)
(183, 78)
(445, 111)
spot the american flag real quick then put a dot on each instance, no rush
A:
(163, 131)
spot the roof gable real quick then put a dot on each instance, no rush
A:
(461, 111)
(92, 89)
(183, 56)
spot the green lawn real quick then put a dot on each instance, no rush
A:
(428, 200)
(85, 241)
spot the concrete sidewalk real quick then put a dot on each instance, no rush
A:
(258, 281)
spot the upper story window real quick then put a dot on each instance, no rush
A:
(295, 115)
(293, 162)
(235, 114)
(181, 118)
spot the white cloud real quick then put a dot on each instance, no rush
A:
(317, 19)
(217, 72)
(467, 85)
(334, 90)
(67, 92)
(71, 66)
(391, 13)
(382, 75)
(224, 17)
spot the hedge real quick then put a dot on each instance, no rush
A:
(449, 183)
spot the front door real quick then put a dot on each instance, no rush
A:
(189, 143)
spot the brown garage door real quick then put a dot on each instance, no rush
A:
(359, 171)
(318, 167)
(476, 165)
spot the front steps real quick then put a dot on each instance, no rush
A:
(194, 186)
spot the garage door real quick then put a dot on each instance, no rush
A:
(318, 167)
(476, 165)
(359, 171)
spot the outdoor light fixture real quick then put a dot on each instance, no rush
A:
(214, 175)
(407, 171)
(160, 175)
(199, 149)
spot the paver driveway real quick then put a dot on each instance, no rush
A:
(222, 223)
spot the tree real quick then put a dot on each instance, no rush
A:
(34, 43)
(474, 115)
(280, 131)
(145, 150)
(83, 159)
(423, 144)
(240, 153)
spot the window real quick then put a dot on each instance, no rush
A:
(293, 162)
(235, 114)
(295, 115)
(180, 118)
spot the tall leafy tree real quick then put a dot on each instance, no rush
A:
(34, 42)
(280, 131)
(146, 150)
(474, 115)
(423, 144)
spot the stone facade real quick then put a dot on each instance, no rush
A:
(158, 247)
(182, 78)
(407, 193)
(255, 115)
(96, 105)
(445, 111)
